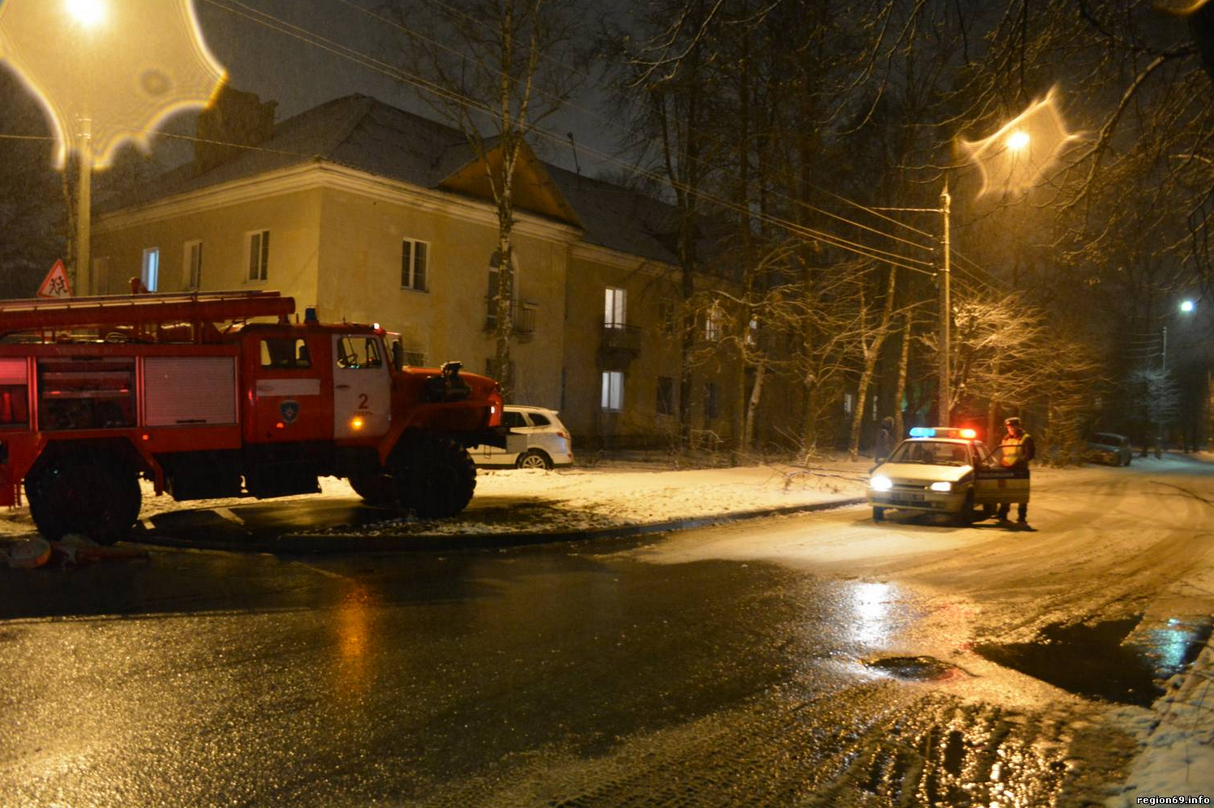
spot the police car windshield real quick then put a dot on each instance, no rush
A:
(932, 453)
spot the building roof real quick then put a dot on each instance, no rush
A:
(366, 134)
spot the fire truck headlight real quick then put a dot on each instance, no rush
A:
(880, 483)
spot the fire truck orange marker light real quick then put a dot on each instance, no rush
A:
(356, 422)
(280, 425)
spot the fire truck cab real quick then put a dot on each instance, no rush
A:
(191, 393)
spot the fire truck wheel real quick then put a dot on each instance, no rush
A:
(436, 478)
(83, 492)
(375, 489)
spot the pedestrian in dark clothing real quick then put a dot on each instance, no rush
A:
(1017, 450)
(885, 441)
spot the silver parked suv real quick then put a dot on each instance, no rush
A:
(548, 441)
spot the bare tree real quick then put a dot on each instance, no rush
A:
(493, 69)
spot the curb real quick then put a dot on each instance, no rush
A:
(320, 544)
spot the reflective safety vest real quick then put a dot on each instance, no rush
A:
(1012, 450)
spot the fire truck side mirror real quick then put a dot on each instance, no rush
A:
(398, 356)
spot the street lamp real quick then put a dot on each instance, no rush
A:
(89, 13)
(106, 73)
(1018, 140)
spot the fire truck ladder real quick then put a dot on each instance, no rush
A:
(195, 308)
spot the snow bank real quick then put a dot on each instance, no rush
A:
(1176, 755)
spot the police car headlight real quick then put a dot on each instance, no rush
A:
(946, 487)
(880, 483)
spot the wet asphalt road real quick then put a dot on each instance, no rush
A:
(789, 661)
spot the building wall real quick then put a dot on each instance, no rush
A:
(588, 356)
(293, 219)
(336, 245)
(361, 250)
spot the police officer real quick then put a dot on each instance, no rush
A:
(885, 441)
(1017, 450)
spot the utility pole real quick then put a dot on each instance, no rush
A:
(84, 205)
(946, 305)
(945, 310)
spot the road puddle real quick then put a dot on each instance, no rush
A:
(1116, 660)
(916, 668)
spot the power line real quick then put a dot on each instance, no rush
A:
(398, 74)
(413, 32)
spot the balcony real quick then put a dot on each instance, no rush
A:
(522, 315)
(621, 340)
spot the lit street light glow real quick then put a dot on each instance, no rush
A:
(89, 13)
(1187, 306)
(1023, 152)
(99, 72)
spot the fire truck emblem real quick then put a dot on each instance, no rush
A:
(289, 410)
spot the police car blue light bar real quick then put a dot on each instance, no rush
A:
(942, 432)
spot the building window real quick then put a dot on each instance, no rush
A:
(665, 395)
(259, 255)
(752, 332)
(713, 323)
(101, 276)
(667, 315)
(415, 359)
(151, 269)
(613, 391)
(193, 265)
(710, 401)
(414, 263)
(615, 309)
(491, 300)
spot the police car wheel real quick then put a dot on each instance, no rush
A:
(966, 515)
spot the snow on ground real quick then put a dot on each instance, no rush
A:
(608, 495)
(536, 501)
(1176, 755)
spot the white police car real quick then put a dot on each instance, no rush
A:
(945, 470)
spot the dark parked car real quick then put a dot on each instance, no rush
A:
(1105, 447)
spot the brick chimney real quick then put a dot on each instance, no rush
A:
(237, 118)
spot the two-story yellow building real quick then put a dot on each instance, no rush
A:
(373, 214)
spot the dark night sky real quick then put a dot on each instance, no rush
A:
(299, 75)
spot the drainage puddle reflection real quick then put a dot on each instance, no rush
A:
(916, 668)
(1102, 661)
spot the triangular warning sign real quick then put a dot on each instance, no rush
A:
(56, 283)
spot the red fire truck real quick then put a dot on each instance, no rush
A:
(189, 392)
